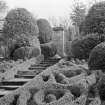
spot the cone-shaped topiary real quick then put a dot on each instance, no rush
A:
(97, 57)
(26, 53)
(81, 48)
(95, 19)
(45, 31)
(19, 21)
(48, 49)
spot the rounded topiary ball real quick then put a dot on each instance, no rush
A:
(19, 21)
(45, 31)
(48, 50)
(97, 57)
(81, 48)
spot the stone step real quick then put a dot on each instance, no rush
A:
(36, 68)
(16, 81)
(9, 87)
(24, 76)
(28, 72)
(4, 92)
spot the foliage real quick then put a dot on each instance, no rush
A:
(19, 21)
(78, 13)
(45, 31)
(97, 57)
(48, 49)
(26, 53)
(3, 6)
(22, 41)
(95, 20)
(81, 48)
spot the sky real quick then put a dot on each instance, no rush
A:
(46, 8)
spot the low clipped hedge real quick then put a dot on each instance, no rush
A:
(81, 48)
(97, 57)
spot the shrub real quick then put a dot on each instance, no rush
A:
(22, 41)
(97, 57)
(95, 19)
(19, 21)
(81, 48)
(101, 86)
(45, 31)
(26, 53)
(48, 50)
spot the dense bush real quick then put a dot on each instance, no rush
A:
(26, 53)
(48, 49)
(19, 21)
(22, 41)
(97, 57)
(45, 31)
(81, 48)
(95, 20)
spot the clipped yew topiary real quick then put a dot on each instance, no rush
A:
(22, 41)
(45, 31)
(81, 48)
(26, 53)
(95, 19)
(19, 21)
(97, 57)
(48, 50)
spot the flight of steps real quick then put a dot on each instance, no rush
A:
(23, 77)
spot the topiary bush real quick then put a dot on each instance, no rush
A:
(81, 48)
(95, 19)
(45, 31)
(22, 41)
(19, 21)
(97, 57)
(26, 53)
(48, 49)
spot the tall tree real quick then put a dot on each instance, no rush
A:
(3, 6)
(95, 19)
(78, 15)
